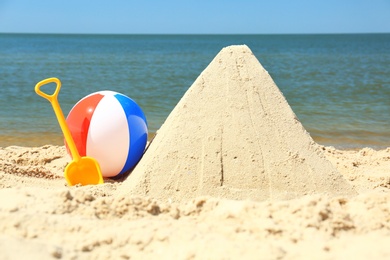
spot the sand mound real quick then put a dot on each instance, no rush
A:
(233, 135)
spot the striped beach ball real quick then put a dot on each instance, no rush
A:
(111, 128)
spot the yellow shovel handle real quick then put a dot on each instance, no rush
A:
(58, 112)
(53, 97)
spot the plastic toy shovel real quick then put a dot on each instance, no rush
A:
(81, 170)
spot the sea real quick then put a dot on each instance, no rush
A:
(338, 85)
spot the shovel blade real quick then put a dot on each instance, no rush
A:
(85, 171)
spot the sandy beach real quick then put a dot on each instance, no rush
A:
(231, 174)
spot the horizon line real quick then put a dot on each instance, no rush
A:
(190, 34)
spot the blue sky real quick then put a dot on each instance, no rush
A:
(195, 16)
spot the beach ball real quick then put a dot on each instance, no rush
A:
(111, 128)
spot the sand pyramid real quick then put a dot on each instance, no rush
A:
(233, 135)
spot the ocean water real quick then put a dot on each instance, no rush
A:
(338, 85)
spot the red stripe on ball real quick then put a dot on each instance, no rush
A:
(79, 119)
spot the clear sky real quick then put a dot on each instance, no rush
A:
(195, 16)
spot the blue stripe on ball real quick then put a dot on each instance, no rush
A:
(138, 128)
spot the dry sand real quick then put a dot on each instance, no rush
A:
(236, 176)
